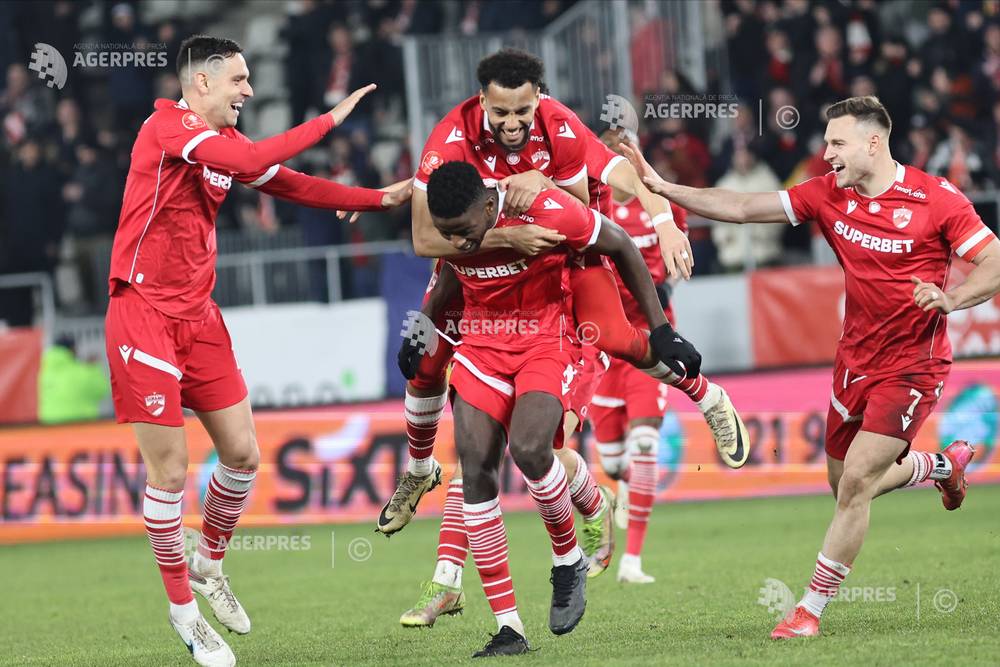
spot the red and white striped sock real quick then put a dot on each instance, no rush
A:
(422, 417)
(488, 543)
(642, 446)
(551, 496)
(583, 491)
(225, 500)
(453, 540)
(694, 387)
(825, 583)
(928, 466)
(161, 511)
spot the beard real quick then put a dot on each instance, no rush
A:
(499, 133)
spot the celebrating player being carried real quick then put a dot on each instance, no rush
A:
(527, 141)
(893, 229)
(514, 371)
(167, 345)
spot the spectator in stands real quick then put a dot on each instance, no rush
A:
(343, 71)
(130, 88)
(960, 160)
(92, 197)
(70, 131)
(32, 225)
(24, 108)
(736, 244)
(782, 145)
(70, 389)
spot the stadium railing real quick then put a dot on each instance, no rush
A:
(46, 296)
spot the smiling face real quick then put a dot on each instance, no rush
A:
(851, 147)
(509, 112)
(466, 231)
(217, 89)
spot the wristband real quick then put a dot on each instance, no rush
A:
(661, 218)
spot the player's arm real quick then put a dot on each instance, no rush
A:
(428, 242)
(714, 203)
(669, 346)
(299, 188)
(614, 242)
(219, 152)
(674, 244)
(982, 284)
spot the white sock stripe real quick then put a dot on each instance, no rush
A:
(840, 568)
(163, 494)
(496, 583)
(425, 403)
(611, 448)
(555, 474)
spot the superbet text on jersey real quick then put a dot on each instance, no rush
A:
(555, 147)
(911, 229)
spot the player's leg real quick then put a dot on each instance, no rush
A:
(480, 442)
(535, 421)
(865, 465)
(423, 407)
(642, 445)
(596, 301)
(443, 595)
(213, 387)
(146, 389)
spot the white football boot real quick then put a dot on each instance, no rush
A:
(206, 646)
(630, 571)
(219, 595)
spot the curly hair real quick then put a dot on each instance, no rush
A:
(510, 68)
(452, 188)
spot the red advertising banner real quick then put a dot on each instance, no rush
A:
(797, 315)
(20, 360)
(341, 464)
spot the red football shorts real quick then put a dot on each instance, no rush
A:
(893, 404)
(492, 380)
(160, 364)
(592, 367)
(624, 395)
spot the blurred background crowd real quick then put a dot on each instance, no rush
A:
(64, 153)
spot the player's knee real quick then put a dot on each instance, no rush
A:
(533, 458)
(853, 488)
(613, 458)
(476, 467)
(169, 475)
(643, 441)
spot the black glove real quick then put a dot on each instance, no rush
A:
(663, 293)
(410, 354)
(676, 352)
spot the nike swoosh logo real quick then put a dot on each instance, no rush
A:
(738, 453)
(798, 631)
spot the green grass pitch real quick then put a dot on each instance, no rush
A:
(102, 603)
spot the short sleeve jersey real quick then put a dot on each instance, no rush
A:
(911, 229)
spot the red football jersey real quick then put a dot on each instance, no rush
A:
(165, 243)
(513, 302)
(631, 217)
(554, 147)
(911, 229)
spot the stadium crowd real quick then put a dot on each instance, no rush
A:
(65, 152)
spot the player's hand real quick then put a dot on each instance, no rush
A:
(532, 239)
(929, 296)
(676, 250)
(676, 352)
(521, 191)
(344, 109)
(645, 171)
(408, 358)
(397, 194)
